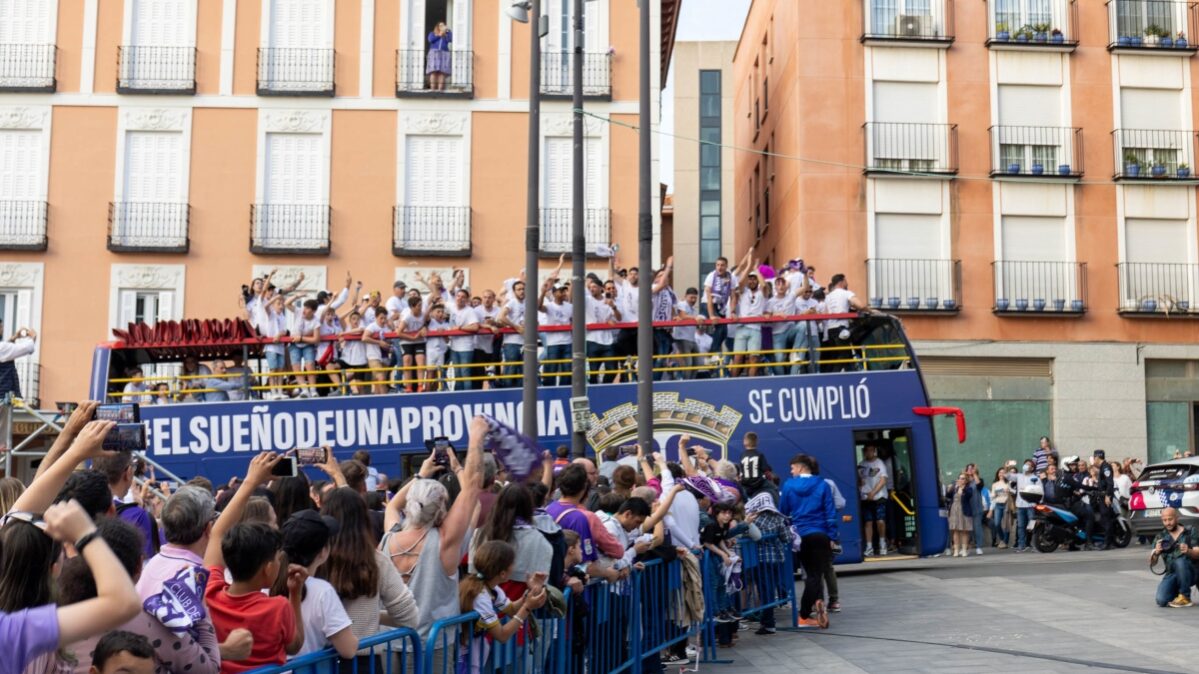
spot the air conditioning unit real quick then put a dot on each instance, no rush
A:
(915, 25)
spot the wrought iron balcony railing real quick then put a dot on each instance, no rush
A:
(295, 72)
(1158, 288)
(412, 77)
(22, 225)
(927, 22)
(1152, 26)
(296, 229)
(1037, 151)
(1154, 154)
(907, 148)
(138, 226)
(1033, 24)
(1040, 288)
(27, 67)
(932, 286)
(432, 230)
(557, 74)
(156, 70)
(556, 228)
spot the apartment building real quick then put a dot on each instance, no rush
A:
(155, 154)
(1014, 178)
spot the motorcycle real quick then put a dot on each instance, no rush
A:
(1052, 527)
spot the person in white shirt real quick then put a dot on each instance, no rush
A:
(841, 300)
(272, 322)
(135, 391)
(303, 348)
(748, 301)
(601, 309)
(557, 342)
(436, 346)
(465, 318)
(353, 351)
(512, 317)
(627, 299)
(377, 346)
(685, 339)
(486, 353)
(662, 306)
(807, 337)
(718, 288)
(410, 339)
(873, 483)
(782, 303)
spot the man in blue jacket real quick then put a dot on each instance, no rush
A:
(808, 500)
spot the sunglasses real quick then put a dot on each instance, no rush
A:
(29, 518)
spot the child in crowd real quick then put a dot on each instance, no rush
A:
(353, 350)
(716, 539)
(122, 652)
(306, 537)
(412, 328)
(376, 350)
(480, 592)
(435, 347)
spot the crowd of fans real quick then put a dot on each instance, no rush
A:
(441, 336)
(97, 574)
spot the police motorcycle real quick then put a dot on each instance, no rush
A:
(1053, 526)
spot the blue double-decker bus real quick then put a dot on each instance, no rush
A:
(877, 398)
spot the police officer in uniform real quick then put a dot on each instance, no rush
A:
(1104, 500)
(1071, 485)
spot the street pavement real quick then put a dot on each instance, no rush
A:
(1001, 612)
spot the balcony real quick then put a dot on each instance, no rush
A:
(295, 72)
(1154, 155)
(431, 230)
(1044, 25)
(914, 22)
(22, 225)
(1163, 27)
(1047, 152)
(156, 70)
(148, 227)
(289, 229)
(413, 82)
(901, 148)
(29, 371)
(27, 68)
(1030, 288)
(556, 229)
(557, 74)
(1158, 289)
(922, 286)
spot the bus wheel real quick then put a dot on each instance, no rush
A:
(1042, 541)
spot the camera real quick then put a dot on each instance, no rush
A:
(607, 296)
(312, 457)
(439, 447)
(125, 438)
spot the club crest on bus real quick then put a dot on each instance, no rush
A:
(673, 417)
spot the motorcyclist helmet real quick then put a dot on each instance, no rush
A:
(1070, 460)
(1033, 492)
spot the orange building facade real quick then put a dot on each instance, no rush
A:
(155, 154)
(1013, 177)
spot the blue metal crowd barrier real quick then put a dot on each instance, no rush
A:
(625, 625)
(396, 651)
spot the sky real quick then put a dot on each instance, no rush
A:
(714, 20)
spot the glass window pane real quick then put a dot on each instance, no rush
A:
(709, 208)
(709, 178)
(709, 106)
(710, 134)
(709, 251)
(709, 155)
(709, 227)
(709, 81)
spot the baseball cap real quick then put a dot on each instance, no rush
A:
(560, 286)
(399, 284)
(1099, 454)
(305, 534)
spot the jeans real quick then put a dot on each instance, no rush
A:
(513, 365)
(556, 352)
(811, 342)
(979, 532)
(815, 554)
(783, 342)
(462, 358)
(997, 513)
(1178, 580)
(1023, 517)
(684, 347)
(663, 345)
(608, 367)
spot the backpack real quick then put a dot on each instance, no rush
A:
(122, 507)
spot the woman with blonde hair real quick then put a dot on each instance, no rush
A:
(439, 65)
(10, 490)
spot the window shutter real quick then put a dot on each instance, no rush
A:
(557, 172)
(166, 305)
(127, 308)
(448, 163)
(24, 310)
(152, 166)
(25, 22)
(416, 24)
(299, 24)
(460, 24)
(160, 23)
(591, 36)
(20, 152)
(593, 165)
(8, 313)
(1155, 241)
(558, 39)
(418, 169)
(293, 168)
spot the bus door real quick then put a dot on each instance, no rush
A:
(894, 448)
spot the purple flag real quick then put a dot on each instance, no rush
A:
(517, 453)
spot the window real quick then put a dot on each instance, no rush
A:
(27, 42)
(1018, 13)
(910, 259)
(22, 188)
(433, 170)
(1155, 241)
(419, 17)
(1157, 264)
(293, 169)
(146, 306)
(913, 102)
(159, 53)
(297, 47)
(152, 166)
(1151, 108)
(711, 187)
(558, 172)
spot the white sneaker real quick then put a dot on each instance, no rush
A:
(978, 551)
(869, 550)
(692, 652)
(882, 550)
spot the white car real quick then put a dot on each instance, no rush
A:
(1169, 484)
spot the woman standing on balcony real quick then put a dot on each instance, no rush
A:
(438, 65)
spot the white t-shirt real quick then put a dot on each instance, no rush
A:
(686, 311)
(323, 615)
(627, 297)
(869, 474)
(599, 312)
(781, 306)
(750, 303)
(557, 314)
(272, 325)
(516, 315)
(374, 351)
(409, 323)
(802, 306)
(354, 352)
(396, 305)
(436, 345)
(460, 318)
(306, 326)
(721, 288)
(837, 302)
(485, 341)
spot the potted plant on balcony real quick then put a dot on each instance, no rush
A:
(1183, 305)
(1158, 170)
(1057, 37)
(1059, 305)
(1063, 169)
(876, 302)
(1024, 34)
(1149, 305)
(1184, 170)
(1164, 40)
(1132, 166)
(1077, 306)
(950, 305)
(1124, 41)
(1038, 304)
(1151, 32)
(1013, 167)
(1022, 304)
(1040, 32)
(1038, 168)
(1001, 32)
(1180, 40)
(913, 303)
(893, 303)
(1002, 303)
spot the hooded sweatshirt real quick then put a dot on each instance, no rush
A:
(809, 503)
